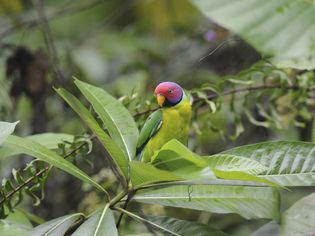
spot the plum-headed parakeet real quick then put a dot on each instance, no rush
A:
(171, 121)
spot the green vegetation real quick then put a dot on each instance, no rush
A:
(251, 146)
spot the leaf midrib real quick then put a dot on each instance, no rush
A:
(101, 219)
(114, 125)
(60, 223)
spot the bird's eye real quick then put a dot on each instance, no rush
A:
(170, 91)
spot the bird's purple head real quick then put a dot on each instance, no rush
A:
(168, 94)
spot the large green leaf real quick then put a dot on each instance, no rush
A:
(226, 162)
(270, 229)
(37, 150)
(249, 202)
(6, 128)
(299, 219)
(282, 29)
(143, 173)
(178, 159)
(113, 149)
(173, 153)
(49, 140)
(16, 224)
(238, 175)
(99, 224)
(289, 163)
(9, 229)
(55, 227)
(117, 119)
(19, 218)
(184, 227)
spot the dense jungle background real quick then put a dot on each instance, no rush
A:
(248, 64)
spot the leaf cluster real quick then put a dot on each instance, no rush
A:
(244, 180)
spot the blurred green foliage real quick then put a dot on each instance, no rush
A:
(127, 47)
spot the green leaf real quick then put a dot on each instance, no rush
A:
(117, 119)
(233, 167)
(19, 218)
(184, 227)
(9, 229)
(55, 227)
(37, 150)
(228, 162)
(299, 219)
(144, 173)
(176, 152)
(281, 29)
(16, 224)
(141, 234)
(6, 128)
(49, 140)
(178, 159)
(238, 175)
(99, 224)
(289, 163)
(249, 202)
(115, 152)
(270, 229)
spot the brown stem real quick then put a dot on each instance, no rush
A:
(129, 197)
(249, 89)
(232, 91)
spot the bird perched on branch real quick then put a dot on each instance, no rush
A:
(171, 121)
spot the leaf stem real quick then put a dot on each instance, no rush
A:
(129, 197)
(144, 220)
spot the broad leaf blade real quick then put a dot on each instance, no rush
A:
(299, 219)
(55, 227)
(270, 229)
(10, 229)
(226, 162)
(143, 173)
(16, 224)
(49, 140)
(289, 163)
(184, 227)
(115, 152)
(37, 150)
(99, 224)
(19, 218)
(174, 153)
(238, 175)
(249, 202)
(268, 26)
(178, 159)
(6, 128)
(117, 119)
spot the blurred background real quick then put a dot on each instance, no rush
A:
(127, 48)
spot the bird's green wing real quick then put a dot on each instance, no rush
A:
(149, 129)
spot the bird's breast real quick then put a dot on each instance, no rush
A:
(176, 122)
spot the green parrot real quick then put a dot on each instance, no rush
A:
(171, 121)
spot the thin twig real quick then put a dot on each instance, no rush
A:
(249, 89)
(230, 92)
(129, 197)
(48, 37)
(144, 220)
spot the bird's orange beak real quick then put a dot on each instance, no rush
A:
(160, 99)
